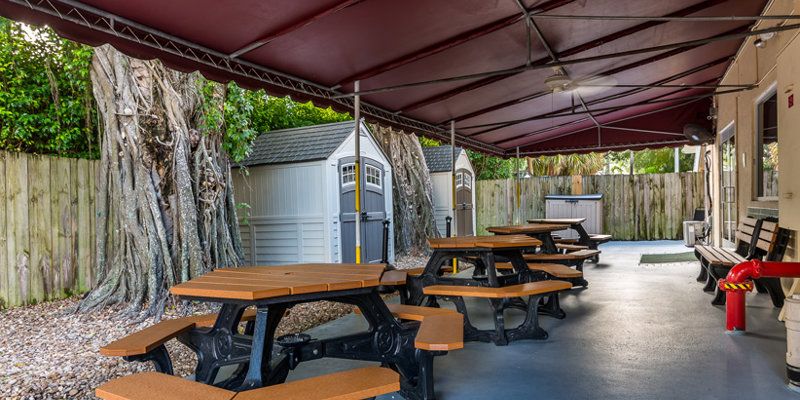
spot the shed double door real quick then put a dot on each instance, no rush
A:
(373, 209)
(464, 203)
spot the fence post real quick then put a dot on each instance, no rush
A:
(385, 254)
(447, 219)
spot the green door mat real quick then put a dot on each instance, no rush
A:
(667, 258)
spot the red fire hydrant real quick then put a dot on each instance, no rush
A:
(738, 283)
(734, 294)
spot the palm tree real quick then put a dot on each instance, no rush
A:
(570, 164)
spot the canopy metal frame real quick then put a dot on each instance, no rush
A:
(231, 64)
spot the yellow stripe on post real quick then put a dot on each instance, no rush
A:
(358, 208)
(519, 213)
(453, 228)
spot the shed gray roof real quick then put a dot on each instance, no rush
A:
(308, 143)
(438, 158)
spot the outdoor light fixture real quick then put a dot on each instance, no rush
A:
(762, 39)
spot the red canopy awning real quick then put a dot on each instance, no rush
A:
(423, 63)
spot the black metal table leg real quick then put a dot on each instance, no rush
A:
(583, 237)
(219, 345)
(260, 369)
(550, 306)
(159, 356)
(530, 328)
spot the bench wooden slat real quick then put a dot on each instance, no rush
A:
(413, 313)
(437, 334)
(155, 385)
(153, 336)
(575, 255)
(417, 313)
(355, 384)
(524, 289)
(441, 332)
(597, 237)
(418, 271)
(147, 339)
(557, 270)
(724, 256)
(744, 236)
(571, 247)
(394, 278)
(720, 256)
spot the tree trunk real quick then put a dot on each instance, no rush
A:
(165, 205)
(412, 192)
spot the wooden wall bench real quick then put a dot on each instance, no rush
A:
(756, 239)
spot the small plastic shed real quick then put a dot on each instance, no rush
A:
(300, 185)
(438, 159)
(589, 206)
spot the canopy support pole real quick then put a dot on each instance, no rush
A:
(357, 139)
(453, 184)
(519, 205)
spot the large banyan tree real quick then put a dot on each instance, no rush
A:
(166, 211)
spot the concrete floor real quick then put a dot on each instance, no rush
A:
(637, 332)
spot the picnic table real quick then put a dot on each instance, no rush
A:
(273, 289)
(502, 290)
(542, 232)
(484, 248)
(584, 238)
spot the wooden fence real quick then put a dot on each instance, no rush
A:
(47, 227)
(638, 207)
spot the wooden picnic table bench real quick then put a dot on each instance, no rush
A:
(590, 240)
(500, 298)
(347, 385)
(551, 271)
(550, 252)
(148, 344)
(573, 258)
(570, 247)
(542, 232)
(504, 290)
(440, 328)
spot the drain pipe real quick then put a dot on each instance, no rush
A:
(792, 320)
(737, 284)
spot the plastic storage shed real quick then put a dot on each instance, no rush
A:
(589, 206)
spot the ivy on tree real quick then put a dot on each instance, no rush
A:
(46, 102)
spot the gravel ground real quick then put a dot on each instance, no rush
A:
(46, 353)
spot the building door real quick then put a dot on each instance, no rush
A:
(727, 190)
(464, 203)
(373, 210)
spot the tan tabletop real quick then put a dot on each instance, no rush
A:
(568, 221)
(253, 283)
(525, 229)
(492, 242)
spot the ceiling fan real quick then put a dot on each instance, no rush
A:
(586, 86)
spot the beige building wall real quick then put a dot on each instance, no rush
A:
(773, 66)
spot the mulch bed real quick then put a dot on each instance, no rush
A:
(47, 353)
